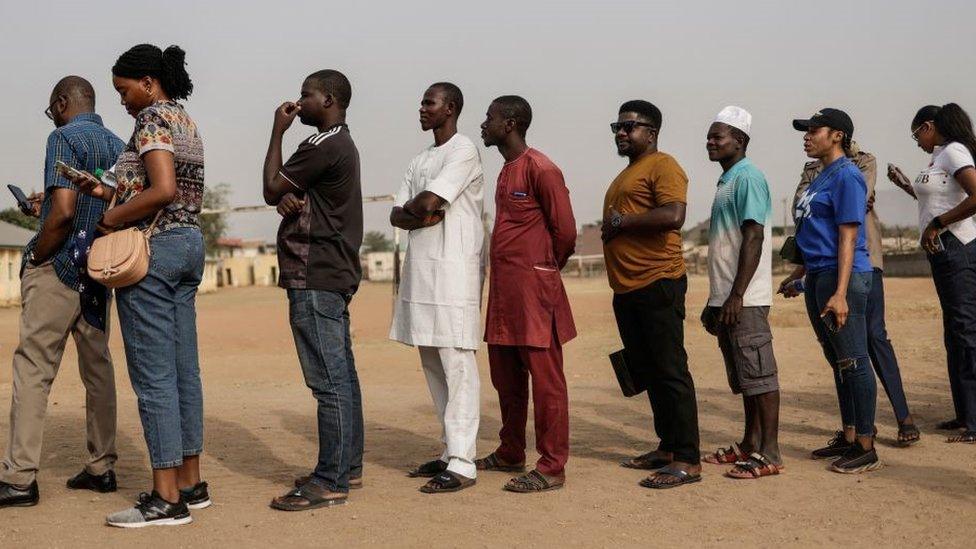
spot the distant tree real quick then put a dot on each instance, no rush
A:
(16, 217)
(375, 241)
(214, 226)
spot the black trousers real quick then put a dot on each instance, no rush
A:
(651, 325)
(954, 274)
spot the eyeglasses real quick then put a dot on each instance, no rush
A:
(628, 126)
(916, 130)
(48, 113)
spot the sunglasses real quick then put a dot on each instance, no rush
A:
(628, 126)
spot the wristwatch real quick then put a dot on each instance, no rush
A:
(616, 220)
(937, 223)
(30, 258)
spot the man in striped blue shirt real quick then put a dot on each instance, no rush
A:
(52, 305)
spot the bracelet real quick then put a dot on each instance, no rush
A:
(937, 223)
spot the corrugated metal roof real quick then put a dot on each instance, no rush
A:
(12, 236)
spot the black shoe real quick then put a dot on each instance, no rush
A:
(857, 460)
(835, 447)
(196, 497)
(86, 481)
(12, 496)
(151, 510)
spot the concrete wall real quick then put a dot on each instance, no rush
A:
(209, 282)
(910, 264)
(10, 276)
(378, 266)
(260, 270)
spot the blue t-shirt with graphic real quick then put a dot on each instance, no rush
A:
(836, 197)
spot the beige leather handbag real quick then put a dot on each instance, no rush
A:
(121, 259)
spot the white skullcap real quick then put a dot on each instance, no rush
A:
(737, 117)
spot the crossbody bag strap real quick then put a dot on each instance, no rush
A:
(155, 220)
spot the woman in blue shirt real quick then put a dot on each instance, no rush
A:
(829, 218)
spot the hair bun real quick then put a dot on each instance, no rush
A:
(174, 55)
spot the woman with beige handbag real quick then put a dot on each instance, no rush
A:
(152, 252)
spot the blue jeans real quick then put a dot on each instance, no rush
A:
(159, 329)
(320, 325)
(954, 274)
(847, 349)
(880, 350)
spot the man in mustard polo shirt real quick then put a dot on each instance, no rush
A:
(644, 210)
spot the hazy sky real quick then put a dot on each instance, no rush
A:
(574, 61)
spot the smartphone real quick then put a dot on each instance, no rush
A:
(831, 322)
(67, 171)
(939, 246)
(22, 202)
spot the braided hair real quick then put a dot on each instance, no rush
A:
(168, 66)
(952, 123)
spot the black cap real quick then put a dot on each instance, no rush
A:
(834, 119)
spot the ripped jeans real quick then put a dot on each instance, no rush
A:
(847, 349)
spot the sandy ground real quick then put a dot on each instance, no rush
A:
(260, 434)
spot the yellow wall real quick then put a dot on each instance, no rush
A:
(209, 282)
(261, 270)
(9, 276)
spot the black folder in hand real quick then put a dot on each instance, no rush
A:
(629, 382)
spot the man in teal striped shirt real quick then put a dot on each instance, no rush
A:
(740, 294)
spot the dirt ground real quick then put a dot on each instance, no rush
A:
(261, 434)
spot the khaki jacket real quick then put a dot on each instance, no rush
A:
(869, 168)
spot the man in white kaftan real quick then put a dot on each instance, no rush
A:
(438, 308)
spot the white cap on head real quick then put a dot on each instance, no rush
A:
(737, 117)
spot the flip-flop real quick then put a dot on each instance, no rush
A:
(293, 500)
(753, 467)
(724, 456)
(447, 481)
(646, 462)
(683, 477)
(949, 425)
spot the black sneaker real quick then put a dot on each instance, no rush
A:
(151, 510)
(87, 481)
(14, 496)
(857, 460)
(196, 497)
(836, 447)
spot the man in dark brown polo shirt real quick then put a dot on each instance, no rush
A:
(318, 194)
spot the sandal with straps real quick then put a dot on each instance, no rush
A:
(969, 437)
(428, 470)
(447, 481)
(491, 462)
(724, 456)
(355, 483)
(753, 467)
(908, 434)
(534, 481)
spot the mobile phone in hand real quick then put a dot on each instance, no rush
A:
(67, 171)
(831, 322)
(22, 202)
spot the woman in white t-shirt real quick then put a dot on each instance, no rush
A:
(946, 194)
